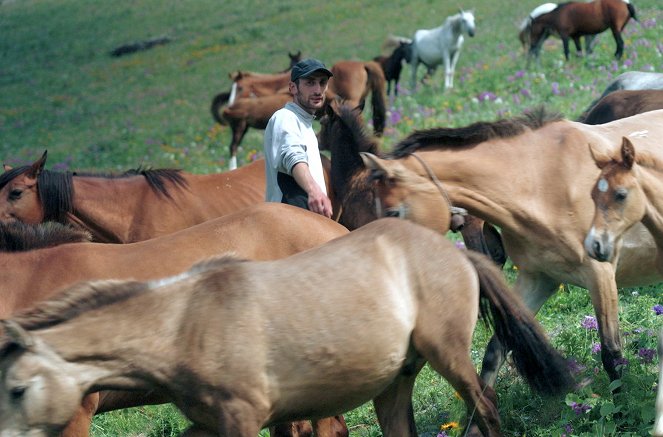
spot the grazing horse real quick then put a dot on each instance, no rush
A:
(631, 80)
(432, 47)
(129, 207)
(392, 64)
(248, 112)
(498, 172)
(623, 103)
(212, 348)
(572, 20)
(263, 231)
(353, 81)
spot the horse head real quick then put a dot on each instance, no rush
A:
(31, 376)
(619, 199)
(19, 195)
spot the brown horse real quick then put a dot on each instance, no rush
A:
(248, 112)
(623, 103)
(220, 325)
(503, 172)
(354, 185)
(573, 20)
(263, 231)
(129, 207)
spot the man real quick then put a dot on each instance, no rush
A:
(292, 158)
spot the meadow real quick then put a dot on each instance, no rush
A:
(61, 91)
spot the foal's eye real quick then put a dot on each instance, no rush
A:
(621, 194)
(17, 392)
(15, 194)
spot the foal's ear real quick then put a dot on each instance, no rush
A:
(628, 153)
(18, 337)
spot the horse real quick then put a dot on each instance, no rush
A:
(630, 80)
(571, 20)
(358, 199)
(246, 87)
(392, 64)
(221, 325)
(623, 103)
(353, 81)
(432, 47)
(626, 192)
(525, 28)
(498, 171)
(127, 207)
(263, 231)
(248, 112)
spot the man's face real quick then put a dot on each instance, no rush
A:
(309, 92)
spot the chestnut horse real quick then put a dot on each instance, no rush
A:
(623, 103)
(217, 328)
(572, 20)
(263, 231)
(498, 170)
(129, 207)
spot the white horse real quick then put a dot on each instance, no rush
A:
(431, 47)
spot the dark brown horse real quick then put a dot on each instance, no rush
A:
(623, 103)
(573, 20)
(127, 207)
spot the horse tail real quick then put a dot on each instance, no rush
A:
(377, 84)
(217, 102)
(515, 327)
(631, 11)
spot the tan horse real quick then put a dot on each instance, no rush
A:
(129, 207)
(628, 190)
(263, 231)
(531, 176)
(221, 348)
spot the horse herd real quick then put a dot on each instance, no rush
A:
(246, 314)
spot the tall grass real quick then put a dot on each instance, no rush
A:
(60, 90)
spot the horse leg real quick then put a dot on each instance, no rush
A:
(239, 128)
(331, 427)
(393, 406)
(534, 290)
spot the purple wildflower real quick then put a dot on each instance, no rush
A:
(580, 408)
(646, 354)
(658, 309)
(596, 348)
(589, 323)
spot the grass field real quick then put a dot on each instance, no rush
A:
(61, 91)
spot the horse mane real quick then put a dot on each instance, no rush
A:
(474, 133)
(79, 298)
(19, 236)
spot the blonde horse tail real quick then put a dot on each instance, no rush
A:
(378, 85)
(516, 328)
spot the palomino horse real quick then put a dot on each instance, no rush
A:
(127, 208)
(631, 80)
(623, 103)
(628, 191)
(392, 63)
(498, 172)
(355, 197)
(248, 112)
(263, 231)
(220, 325)
(573, 19)
(442, 44)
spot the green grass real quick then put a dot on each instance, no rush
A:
(60, 90)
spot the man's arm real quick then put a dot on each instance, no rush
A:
(318, 201)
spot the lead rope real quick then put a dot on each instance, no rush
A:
(457, 213)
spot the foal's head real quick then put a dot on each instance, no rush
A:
(619, 202)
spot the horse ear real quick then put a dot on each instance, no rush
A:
(628, 153)
(38, 166)
(17, 335)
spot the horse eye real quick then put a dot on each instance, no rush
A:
(17, 392)
(15, 194)
(621, 194)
